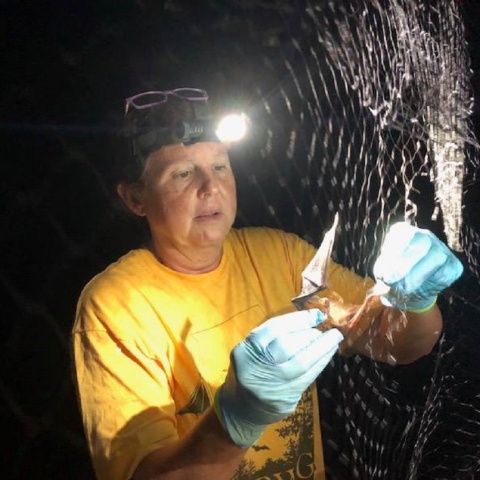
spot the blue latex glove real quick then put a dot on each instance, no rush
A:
(270, 370)
(416, 265)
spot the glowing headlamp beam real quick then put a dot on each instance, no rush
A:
(232, 128)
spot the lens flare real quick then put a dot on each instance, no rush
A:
(232, 128)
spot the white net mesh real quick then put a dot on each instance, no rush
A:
(374, 101)
(374, 96)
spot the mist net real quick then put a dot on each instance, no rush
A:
(369, 117)
(361, 108)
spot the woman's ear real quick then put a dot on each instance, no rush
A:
(131, 195)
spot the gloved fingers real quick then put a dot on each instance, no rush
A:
(310, 359)
(284, 347)
(284, 324)
(451, 268)
(455, 268)
(438, 269)
(427, 269)
(399, 237)
(431, 278)
(305, 380)
(397, 257)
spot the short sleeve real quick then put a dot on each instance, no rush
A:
(350, 286)
(124, 391)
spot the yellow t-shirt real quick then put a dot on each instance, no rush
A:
(152, 345)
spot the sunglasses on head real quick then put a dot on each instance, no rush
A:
(154, 98)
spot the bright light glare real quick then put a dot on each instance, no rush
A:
(232, 128)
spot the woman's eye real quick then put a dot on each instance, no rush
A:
(182, 175)
(219, 168)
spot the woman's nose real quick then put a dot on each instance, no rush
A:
(209, 184)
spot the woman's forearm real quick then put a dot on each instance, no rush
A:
(418, 336)
(206, 452)
(398, 337)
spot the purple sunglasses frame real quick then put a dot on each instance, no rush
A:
(130, 101)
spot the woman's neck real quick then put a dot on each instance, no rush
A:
(191, 261)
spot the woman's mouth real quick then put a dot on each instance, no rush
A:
(209, 216)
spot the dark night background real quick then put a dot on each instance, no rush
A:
(65, 69)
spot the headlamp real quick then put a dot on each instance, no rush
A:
(232, 127)
(147, 136)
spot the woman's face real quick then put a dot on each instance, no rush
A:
(188, 195)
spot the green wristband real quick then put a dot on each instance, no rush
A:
(426, 309)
